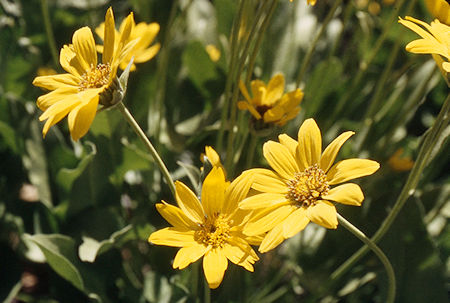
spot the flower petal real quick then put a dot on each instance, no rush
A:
(236, 192)
(309, 144)
(189, 203)
(263, 200)
(280, 159)
(266, 220)
(53, 82)
(240, 253)
(323, 213)
(69, 61)
(275, 89)
(351, 169)
(330, 153)
(258, 89)
(173, 236)
(213, 192)
(272, 239)
(267, 181)
(349, 194)
(290, 143)
(81, 117)
(188, 255)
(175, 216)
(214, 265)
(244, 105)
(108, 37)
(47, 100)
(84, 46)
(295, 223)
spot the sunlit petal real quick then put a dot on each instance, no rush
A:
(349, 193)
(214, 265)
(351, 169)
(323, 213)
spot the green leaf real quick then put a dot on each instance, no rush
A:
(200, 68)
(8, 134)
(59, 251)
(91, 248)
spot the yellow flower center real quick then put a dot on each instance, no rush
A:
(95, 77)
(308, 186)
(215, 231)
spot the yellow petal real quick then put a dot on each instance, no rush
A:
(58, 111)
(147, 54)
(440, 9)
(175, 216)
(280, 159)
(295, 223)
(244, 90)
(214, 265)
(323, 213)
(47, 100)
(267, 181)
(244, 105)
(236, 192)
(267, 219)
(289, 142)
(53, 82)
(263, 200)
(188, 255)
(81, 117)
(351, 169)
(84, 46)
(240, 253)
(275, 90)
(213, 192)
(272, 239)
(108, 37)
(173, 236)
(309, 144)
(258, 91)
(330, 153)
(349, 193)
(189, 203)
(70, 62)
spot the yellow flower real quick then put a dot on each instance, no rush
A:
(436, 40)
(142, 51)
(86, 83)
(400, 163)
(213, 52)
(269, 103)
(212, 156)
(300, 188)
(211, 228)
(312, 2)
(439, 9)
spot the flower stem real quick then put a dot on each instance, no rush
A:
(49, 32)
(378, 252)
(162, 167)
(431, 138)
(312, 47)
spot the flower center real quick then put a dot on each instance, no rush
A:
(308, 186)
(95, 77)
(215, 231)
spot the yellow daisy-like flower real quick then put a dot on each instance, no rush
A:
(312, 2)
(211, 228)
(78, 92)
(301, 187)
(436, 40)
(439, 9)
(269, 104)
(142, 51)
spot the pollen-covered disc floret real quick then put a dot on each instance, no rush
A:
(308, 186)
(214, 231)
(96, 77)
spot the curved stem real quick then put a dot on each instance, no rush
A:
(378, 252)
(49, 32)
(431, 138)
(162, 167)
(313, 45)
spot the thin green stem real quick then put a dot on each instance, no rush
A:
(431, 138)
(162, 167)
(378, 252)
(259, 39)
(235, 95)
(49, 32)
(251, 149)
(312, 46)
(231, 71)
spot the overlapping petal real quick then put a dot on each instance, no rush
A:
(323, 213)
(189, 202)
(351, 169)
(175, 216)
(189, 254)
(280, 159)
